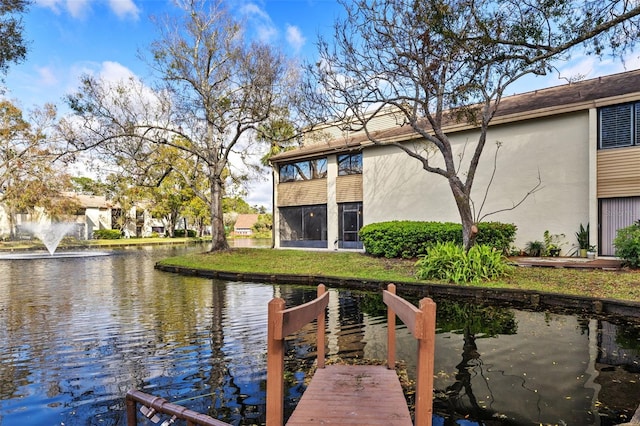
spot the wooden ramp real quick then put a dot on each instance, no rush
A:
(351, 394)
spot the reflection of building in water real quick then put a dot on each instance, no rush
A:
(346, 325)
(618, 366)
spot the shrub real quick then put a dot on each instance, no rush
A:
(411, 239)
(451, 262)
(107, 234)
(179, 233)
(627, 244)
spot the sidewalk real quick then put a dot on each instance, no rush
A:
(604, 263)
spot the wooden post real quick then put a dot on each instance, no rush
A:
(275, 363)
(132, 416)
(391, 332)
(321, 326)
(425, 363)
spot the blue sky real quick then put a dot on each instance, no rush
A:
(68, 38)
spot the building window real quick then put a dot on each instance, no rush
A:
(350, 164)
(304, 170)
(619, 125)
(350, 218)
(303, 226)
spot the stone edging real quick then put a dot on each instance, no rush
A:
(528, 299)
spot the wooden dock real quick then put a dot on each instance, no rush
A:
(337, 394)
(351, 394)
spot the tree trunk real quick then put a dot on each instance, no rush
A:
(469, 228)
(13, 231)
(218, 237)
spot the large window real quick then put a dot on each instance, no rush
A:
(303, 226)
(619, 125)
(350, 164)
(304, 170)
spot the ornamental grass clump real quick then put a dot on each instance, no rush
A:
(627, 244)
(450, 262)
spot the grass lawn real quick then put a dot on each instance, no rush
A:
(623, 285)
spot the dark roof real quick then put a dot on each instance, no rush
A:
(545, 102)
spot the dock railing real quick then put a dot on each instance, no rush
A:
(281, 323)
(421, 322)
(152, 406)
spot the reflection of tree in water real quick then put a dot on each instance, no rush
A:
(474, 322)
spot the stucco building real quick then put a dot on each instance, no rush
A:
(581, 141)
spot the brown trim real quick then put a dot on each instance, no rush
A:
(593, 93)
(349, 188)
(302, 193)
(618, 172)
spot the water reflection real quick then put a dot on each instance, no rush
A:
(78, 333)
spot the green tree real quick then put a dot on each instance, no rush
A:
(198, 213)
(216, 90)
(13, 47)
(264, 223)
(170, 199)
(236, 204)
(439, 62)
(280, 135)
(88, 186)
(31, 172)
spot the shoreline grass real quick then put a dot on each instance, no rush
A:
(621, 285)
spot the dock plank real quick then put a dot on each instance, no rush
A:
(352, 395)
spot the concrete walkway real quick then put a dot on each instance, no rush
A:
(603, 263)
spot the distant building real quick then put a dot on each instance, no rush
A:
(244, 224)
(93, 212)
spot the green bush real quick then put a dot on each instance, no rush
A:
(179, 233)
(627, 244)
(411, 239)
(107, 234)
(451, 262)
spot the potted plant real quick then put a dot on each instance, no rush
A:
(535, 248)
(591, 252)
(553, 243)
(583, 240)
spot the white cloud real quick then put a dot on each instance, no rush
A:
(252, 9)
(260, 22)
(259, 193)
(80, 8)
(295, 37)
(115, 72)
(124, 8)
(47, 77)
(49, 4)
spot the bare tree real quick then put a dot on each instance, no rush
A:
(216, 90)
(441, 62)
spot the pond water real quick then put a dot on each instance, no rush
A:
(77, 333)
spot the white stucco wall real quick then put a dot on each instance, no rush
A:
(397, 188)
(5, 226)
(332, 205)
